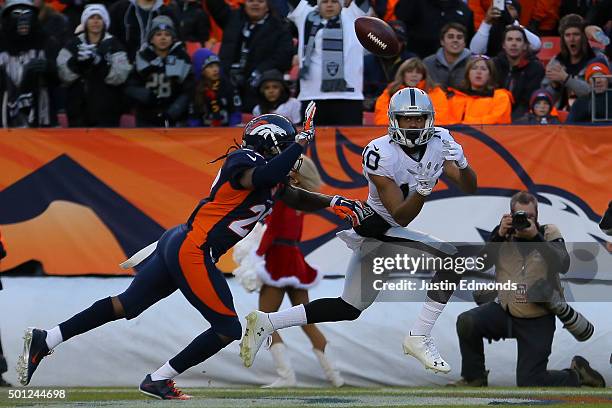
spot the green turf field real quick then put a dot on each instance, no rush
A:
(313, 397)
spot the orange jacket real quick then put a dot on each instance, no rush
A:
(546, 12)
(479, 110)
(438, 99)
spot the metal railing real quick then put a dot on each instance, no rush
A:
(608, 102)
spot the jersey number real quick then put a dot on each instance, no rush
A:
(242, 227)
(370, 158)
(161, 86)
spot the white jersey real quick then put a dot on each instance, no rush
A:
(384, 157)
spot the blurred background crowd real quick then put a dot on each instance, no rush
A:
(170, 63)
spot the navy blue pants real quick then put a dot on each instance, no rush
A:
(178, 263)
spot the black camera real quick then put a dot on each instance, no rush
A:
(520, 221)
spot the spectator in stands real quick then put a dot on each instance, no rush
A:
(518, 70)
(564, 77)
(540, 110)
(275, 97)
(254, 40)
(425, 20)
(540, 16)
(600, 15)
(598, 75)
(3, 365)
(447, 66)
(53, 24)
(194, 24)
(412, 73)
(331, 71)
(27, 68)
(162, 82)
(216, 102)
(133, 20)
(379, 72)
(477, 101)
(94, 66)
(489, 38)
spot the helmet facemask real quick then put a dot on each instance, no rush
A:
(411, 102)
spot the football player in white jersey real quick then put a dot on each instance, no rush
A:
(402, 168)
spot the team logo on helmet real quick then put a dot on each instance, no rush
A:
(267, 129)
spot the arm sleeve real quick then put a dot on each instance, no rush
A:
(534, 41)
(65, 72)
(478, 45)
(277, 169)
(553, 248)
(579, 86)
(119, 68)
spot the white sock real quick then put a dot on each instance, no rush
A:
(294, 316)
(427, 318)
(165, 372)
(54, 337)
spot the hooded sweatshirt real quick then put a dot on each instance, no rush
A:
(444, 75)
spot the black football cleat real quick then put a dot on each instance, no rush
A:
(162, 389)
(606, 221)
(34, 350)
(587, 375)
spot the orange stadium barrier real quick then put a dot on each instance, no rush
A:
(81, 201)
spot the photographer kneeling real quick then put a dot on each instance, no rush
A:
(531, 256)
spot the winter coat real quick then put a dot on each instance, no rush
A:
(473, 109)
(131, 30)
(28, 73)
(438, 100)
(161, 87)
(444, 75)
(425, 19)
(576, 83)
(194, 24)
(94, 87)
(582, 108)
(522, 80)
(270, 45)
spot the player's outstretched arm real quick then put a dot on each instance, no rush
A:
(402, 210)
(303, 200)
(464, 178)
(273, 172)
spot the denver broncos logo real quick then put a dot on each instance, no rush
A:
(81, 203)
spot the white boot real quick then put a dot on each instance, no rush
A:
(283, 367)
(331, 372)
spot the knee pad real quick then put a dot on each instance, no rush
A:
(465, 325)
(232, 329)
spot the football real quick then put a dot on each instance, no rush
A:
(377, 36)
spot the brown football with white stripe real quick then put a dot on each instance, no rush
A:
(377, 36)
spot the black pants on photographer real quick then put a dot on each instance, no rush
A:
(534, 338)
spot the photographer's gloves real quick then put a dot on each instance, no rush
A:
(454, 151)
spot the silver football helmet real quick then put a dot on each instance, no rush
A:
(411, 102)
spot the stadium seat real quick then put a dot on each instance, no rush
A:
(563, 114)
(192, 46)
(550, 47)
(62, 120)
(127, 121)
(246, 117)
(368, 118)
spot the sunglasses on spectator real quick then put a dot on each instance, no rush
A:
(480, 56)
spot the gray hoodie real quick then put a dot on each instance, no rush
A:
(444, 75)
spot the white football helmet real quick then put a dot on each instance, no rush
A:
(411, 102)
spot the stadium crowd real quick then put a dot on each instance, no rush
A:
(169, 63)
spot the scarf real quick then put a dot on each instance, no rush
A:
(332, 61)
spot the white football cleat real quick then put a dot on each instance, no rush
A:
(257, 331)
(424, 349)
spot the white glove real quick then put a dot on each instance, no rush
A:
(86, 51)
(426, 177)
(454, 151)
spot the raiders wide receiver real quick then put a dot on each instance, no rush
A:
(402, 168)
